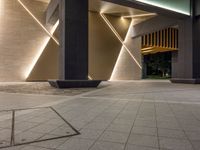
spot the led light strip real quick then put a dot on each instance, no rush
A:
(89, 77)
(120, 55)
(111, 27)
(116, 65)
(141, 15)
(38, 22)
(120, 39)
(36, 58)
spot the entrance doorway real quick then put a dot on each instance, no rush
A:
(157, 66)
(157, 49)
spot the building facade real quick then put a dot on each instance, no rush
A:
(95, 39)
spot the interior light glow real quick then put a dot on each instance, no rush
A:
(29, 12)
(120, 39)
(39, 53)
(157, 4)
(141, 15)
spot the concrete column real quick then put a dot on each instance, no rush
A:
(73, 55)
(196, 40)
(73, 15)
(186, 64)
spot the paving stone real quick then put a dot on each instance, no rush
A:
(111, 136)
(143, 140)
(76, 144)
(107, 146)
(135, 147)
(175, 144)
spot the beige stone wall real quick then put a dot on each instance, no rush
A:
(21, 38)
(104, 49)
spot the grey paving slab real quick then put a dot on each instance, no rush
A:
(111, 136)
(92, 134)
(107, 146)
(135, 147)
(145, 123)
(143, 140)
(175, 144)
(52, 144)
(33, 148)
(144, 131)
(76, 144)
(105, 116)
(5, 128)
(193, 135)
(120, 127)
(196, 145)
(179, 134)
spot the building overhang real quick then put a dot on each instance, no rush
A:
(149, 8)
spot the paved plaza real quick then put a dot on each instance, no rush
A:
(126, 115)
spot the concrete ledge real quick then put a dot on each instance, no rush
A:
(74, 83)
(187, 81)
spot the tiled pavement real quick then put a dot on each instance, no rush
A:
(137, 115)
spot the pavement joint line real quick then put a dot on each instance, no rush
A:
(188, 139)
(138, 109)
(107, 126)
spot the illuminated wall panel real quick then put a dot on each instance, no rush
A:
(112, 53)
(21, 38)
(47, 65)
(125, 68)
(104, 48)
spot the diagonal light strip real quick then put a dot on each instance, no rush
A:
(141, 15)
(120, 54)
(120, 39)
(36, 58)
(89, 77)
(112, 28)
(116, 65)
(31, 14)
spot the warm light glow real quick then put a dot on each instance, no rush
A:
(138, 16)
(54, 27)
(112, 28)
(89, 77)
(122, 51)
(38, 22)
(36, 58)
(116, 65)
(120, 39)
(157, 4)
